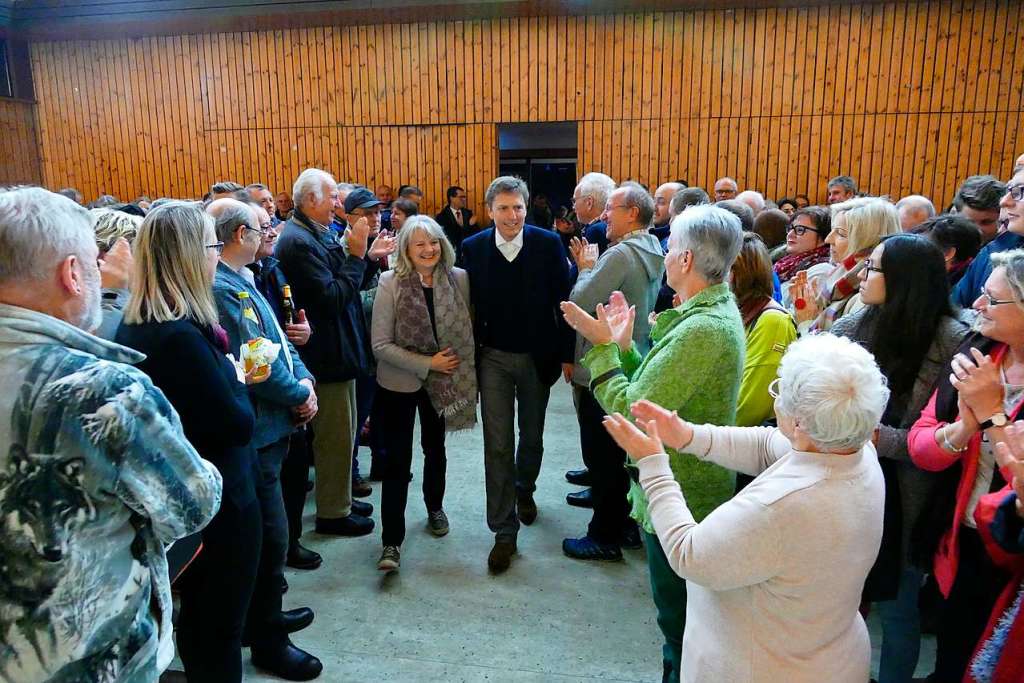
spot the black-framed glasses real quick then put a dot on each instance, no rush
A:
(1016, 192)
(219, 246)
(992, 301)
(801, 230)
(259, 230)
(871, 267)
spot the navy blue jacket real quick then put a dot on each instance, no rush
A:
(546, 274)
(967, 290)
(326, 282)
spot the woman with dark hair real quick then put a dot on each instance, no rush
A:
(958, 238)
(402, 210)
(788, 206)
(805, 242)
(908, 324)
(566, 226)
(802, 201)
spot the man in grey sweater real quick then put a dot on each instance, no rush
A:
(633, 265)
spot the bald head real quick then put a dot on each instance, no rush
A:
(914, 210)
(725, 188)
(663, 203)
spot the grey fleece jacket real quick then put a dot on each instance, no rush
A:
(633, 266)
(915, 484)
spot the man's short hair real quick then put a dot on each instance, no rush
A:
(713, 235)
(688, 196)
(38, 230)
(636, 195)
(952, 231)
(229, 217)
(598, 186)
(225, 187)
(256, 187)
(453, 191)
(740, 210)
(979, 192)
(507, 183)
(410, 191)
(71, 193)
(844, 181)
(311, 181)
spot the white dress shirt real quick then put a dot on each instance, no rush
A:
(509, 248)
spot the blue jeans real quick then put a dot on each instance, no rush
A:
(901, 630)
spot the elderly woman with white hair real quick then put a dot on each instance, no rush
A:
(775, 574)
(694, 368)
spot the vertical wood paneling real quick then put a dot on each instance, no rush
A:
(19, 144)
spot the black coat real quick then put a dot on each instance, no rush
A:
(186, 364)
(455, 233)
(326, 282)
(547, 285)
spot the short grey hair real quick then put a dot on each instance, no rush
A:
(834, 389)
(596, 185)
(1012, 262)
(686, 197)
(844, 181)
(311, 181)
(753, 199)
(637, 195)
(403, 264)
(111, 225)
(916, 202)
(38, 230)
(507, 183)
(230, 214)
(225, 187)
(713, 235)
(346, 187)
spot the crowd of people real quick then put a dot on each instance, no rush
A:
(801, 413)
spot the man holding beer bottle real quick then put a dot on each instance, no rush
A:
(285, 401)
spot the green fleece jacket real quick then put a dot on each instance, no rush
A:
(694, 368)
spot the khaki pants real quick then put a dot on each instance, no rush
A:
(334, 430)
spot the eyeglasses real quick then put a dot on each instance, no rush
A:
(259, 230)
(577, 200)
(992, 301)
(1016, 192)
(773, 388)
(218, 246)
(870, 267)
(612, 208)
(801, 230)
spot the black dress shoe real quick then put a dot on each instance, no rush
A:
(527, 509)
(353, 525)
(288, 662)
(296, 619)
(579, 477)
(501, 554)
(361, 488)
(362, 509)
(581, 499)
(303, 558)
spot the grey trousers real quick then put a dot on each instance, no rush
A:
(507, 379)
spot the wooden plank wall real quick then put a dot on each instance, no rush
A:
(19, 147)
(907, 97)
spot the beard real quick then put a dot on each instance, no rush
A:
(91, 315)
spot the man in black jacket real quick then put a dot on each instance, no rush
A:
(326, 275)
(456, 220)
(518, 275)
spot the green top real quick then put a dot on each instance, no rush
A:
(767, 340)
(694, 369)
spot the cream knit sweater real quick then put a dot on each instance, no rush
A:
(775, 574)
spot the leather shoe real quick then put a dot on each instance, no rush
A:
(361, 488)
(288, 662)
(353, 525)
(527, 509)
(581, 499)
(501, 555)
(296, 619)
(362, 509)
(303, 558)
(579, 477)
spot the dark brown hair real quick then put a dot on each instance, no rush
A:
(752, 271)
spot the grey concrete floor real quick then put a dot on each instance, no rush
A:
(443, 618)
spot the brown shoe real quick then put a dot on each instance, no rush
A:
(360, 487)
(527, 509)
(501, 555)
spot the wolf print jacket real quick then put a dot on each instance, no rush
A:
(96, 477)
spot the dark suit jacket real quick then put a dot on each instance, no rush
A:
(547, 285)
(453, 231)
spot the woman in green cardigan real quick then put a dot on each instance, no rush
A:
(694, 368)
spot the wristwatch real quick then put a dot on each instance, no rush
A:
(997, 420)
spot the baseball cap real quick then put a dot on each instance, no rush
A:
(361, 198)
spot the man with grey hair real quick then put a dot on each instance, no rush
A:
(72, 194)
(725, 188)
(340, 219)
(663, 209)
(326, 275)
(914, 210)
(694, 368)
(281, 403)
(262, 195)
(686, 197)
(753, 199)
(634, 265)
(96, 474)
(518, 275)
(588, 201)
(224, 188)
(841, 188)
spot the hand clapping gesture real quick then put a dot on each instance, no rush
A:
(356, 236)
(384, 245)
(578, 251)
(614, 321)
(1010, 455)
(977, 379)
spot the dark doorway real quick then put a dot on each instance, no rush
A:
(544, 155)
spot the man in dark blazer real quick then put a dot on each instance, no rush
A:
(456, 220)
(518, 275)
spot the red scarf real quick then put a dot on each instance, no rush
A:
(791, 264)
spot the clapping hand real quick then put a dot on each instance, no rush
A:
(384, 245)
(637, 443)
(978, 382)
(621, 317)
(1010, 456)
(116, 265)
(675, 432)
(356, 236)
(578, 250)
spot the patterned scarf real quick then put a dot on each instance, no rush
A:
(836, 291)
(452, 396)
(791, 264)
